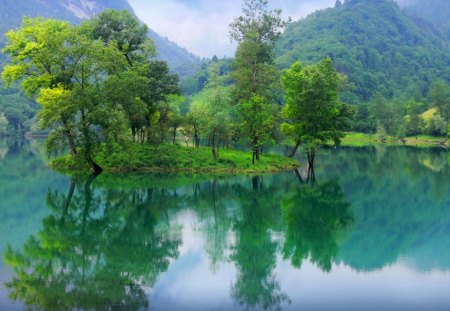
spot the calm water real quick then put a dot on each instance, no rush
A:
(372, 233)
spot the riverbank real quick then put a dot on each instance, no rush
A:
(360, 139)
(176, 158)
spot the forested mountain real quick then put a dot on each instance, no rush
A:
(375, 44)
(434, 12)
(11, 13)
(19, 110)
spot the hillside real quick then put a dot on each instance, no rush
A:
(11, 13)
(435, 12)
(374, 43)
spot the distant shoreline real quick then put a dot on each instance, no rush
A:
(360, 139)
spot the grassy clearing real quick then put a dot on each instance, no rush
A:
(176, 158)
(360, 139)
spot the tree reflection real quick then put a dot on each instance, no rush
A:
(255, 252)
(93, 253)
(315, 215)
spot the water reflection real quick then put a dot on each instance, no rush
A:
(106, 243)
(98, 250)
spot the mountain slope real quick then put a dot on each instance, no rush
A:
(11, 12)
(436, 12)
(378, 47)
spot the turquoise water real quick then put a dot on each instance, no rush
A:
(371, 233)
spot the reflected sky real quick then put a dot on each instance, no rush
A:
(371, 232)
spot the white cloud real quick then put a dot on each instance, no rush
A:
(202, 26)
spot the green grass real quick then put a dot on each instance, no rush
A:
(176, 158)
(360, 139)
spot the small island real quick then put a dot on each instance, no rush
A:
(176, 158)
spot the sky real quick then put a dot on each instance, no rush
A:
(202, 26)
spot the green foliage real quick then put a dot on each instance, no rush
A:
(439, 97)
(315, 217)
(374, 44)
(313, 112)
(258, 121)
(74, 76)
(255, 74)
(123, 29)
(174, 158)
(211, 112)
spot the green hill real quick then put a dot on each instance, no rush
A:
(374, 43)
(435, 12)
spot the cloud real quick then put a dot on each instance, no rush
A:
(202, 26)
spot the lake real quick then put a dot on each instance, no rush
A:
(371, 233)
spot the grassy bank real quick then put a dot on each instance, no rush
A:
(360, 139)
(175, 158)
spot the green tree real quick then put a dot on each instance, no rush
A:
(162, 86)
(69, 73)
(440, 98)
(414, 120)
(438, 126)
(313, 113)
(122, 28)
(212, 110)
(255, 73)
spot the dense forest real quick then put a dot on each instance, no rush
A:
(392, 63)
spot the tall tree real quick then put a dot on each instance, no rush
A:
(314, 115)
(69, 72)
(212, 110)
(255, 73)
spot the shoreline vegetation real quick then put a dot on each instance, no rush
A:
(144, 158)
(175, 158)
(361, 139)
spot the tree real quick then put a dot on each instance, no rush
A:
(313, 113)
(438, 125)
(255, 73)
(162, 85)
(124, 30)
(258, 122)
(72, 76)
(212, 110)
(440, 98)
(414, 121)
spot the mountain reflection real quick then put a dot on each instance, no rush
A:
(106, 243)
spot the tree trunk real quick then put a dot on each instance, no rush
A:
(70, 139)
(294, 150)
(149, 134)
(311, 163)
(213, 144)
(174, 135)
(133, 133)
(255, 150)
(94, 166)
